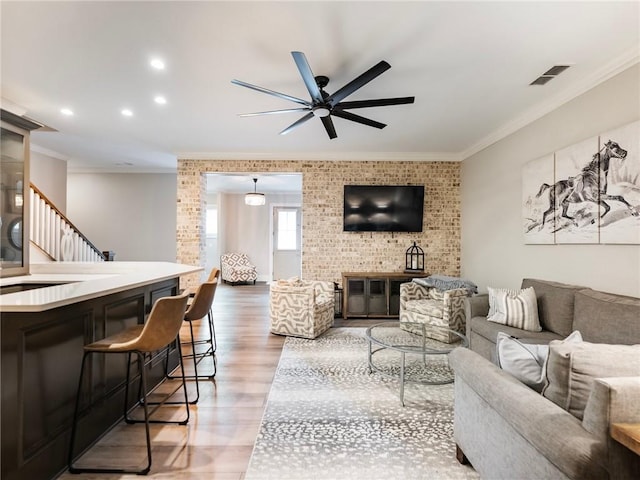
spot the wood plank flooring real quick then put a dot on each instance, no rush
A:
(218, 441)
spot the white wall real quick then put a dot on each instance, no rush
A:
(49, 175)
(493, 250)
(132, 214)
(246, 229)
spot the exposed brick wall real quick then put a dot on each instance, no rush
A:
(327, 251)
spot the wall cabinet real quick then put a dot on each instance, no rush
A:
(373, 294)
(14, 193)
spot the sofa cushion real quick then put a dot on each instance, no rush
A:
(489, 330)
(515, 308)
(572, 367)
(432, 308)
(555, 305)
(607, 318)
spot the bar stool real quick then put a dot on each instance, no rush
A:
(198, 309)
(214, 276)
(160, 330)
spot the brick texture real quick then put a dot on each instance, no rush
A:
(327, 251)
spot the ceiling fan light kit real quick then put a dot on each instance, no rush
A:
(255, 198)
(322, 104)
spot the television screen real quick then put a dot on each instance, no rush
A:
(383, 208)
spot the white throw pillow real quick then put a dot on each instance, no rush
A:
(526, 361)
(515, 308)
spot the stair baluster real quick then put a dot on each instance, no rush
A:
(55, 235)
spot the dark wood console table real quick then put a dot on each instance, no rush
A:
(373, 294)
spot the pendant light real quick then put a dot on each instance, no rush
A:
(254, 198)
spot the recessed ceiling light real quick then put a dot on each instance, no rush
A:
(157, 63)
(66, 111)
(160, 100)
(126, 112)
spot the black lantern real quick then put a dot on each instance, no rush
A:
(414, 259)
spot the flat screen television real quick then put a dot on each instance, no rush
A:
(383, 208)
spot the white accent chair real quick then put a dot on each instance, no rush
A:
(428, 305)
(237, 268)
(301, 308)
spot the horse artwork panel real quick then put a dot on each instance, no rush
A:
(621, 225)
(576, 216)
(535, 173)
(593, 196)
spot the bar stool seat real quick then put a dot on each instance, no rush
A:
(159, 332)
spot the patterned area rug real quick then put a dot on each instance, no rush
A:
(328, 418)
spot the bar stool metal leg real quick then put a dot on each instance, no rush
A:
(143, 380)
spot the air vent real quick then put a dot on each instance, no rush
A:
(541, 80)
(549, 74)
(555, 70)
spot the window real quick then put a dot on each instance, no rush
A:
(212, 221)
(287, 230)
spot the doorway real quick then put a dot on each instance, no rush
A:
(226, 192)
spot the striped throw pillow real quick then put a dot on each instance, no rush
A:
(514, 308)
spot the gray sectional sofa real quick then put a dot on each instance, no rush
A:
(508, 430)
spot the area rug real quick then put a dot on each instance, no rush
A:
(328, 418)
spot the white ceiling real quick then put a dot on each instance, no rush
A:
(469, 65)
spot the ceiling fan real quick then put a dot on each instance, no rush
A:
(324, 105)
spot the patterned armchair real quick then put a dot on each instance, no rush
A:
(420, 304)
(236, 267)
(301, 308)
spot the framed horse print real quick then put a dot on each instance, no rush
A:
(586, 193)
(620, 185)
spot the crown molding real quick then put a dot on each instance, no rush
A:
(49, 153)
(120, 169)
(325, 156)
(611, 69)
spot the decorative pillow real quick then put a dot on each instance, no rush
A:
(435, 294)
(572, 368)
(523, 361)
(515, 308)
(526, 361)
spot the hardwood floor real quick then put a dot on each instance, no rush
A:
(218, 441)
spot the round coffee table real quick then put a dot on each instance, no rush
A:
(431, 368)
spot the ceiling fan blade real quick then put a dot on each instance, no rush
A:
(271, 112)
(271, 92)
(328, 126)
(358, 82)
(307, 76)
(297, 123)
(357, 118)
(381, 102)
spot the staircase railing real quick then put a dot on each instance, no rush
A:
(55, 235)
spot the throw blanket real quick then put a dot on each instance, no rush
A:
(442, 282)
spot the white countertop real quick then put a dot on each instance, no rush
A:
(88, 280)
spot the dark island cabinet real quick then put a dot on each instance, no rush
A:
(41, 356)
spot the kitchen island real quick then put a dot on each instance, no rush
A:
(45, 322)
